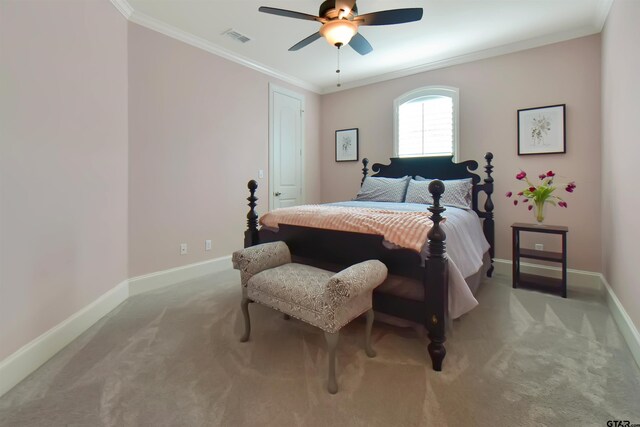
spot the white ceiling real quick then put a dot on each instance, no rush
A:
(451, 31)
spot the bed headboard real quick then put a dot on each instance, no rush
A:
(443, 168)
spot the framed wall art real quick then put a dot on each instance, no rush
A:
(347, 145)
(541, 130)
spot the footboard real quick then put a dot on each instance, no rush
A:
(335, 250)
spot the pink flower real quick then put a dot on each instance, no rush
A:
(541, 192)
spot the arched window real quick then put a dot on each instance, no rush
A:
(426, 122)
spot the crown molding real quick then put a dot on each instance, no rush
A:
(604, 7)
(162, 27)
(168, 30)
(123, 7)
(470, 57)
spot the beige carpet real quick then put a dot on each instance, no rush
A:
(172, 358)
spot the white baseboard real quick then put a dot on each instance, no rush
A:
(30, 357)
(624, 322)
(576, 279)
(27, 359)
(160, 279)
(589, 281)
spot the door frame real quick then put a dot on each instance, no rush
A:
(272, 90)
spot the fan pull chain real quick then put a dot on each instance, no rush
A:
(338, 69)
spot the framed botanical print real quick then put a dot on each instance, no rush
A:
(347, 145)
(541, 130)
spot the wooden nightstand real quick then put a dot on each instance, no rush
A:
(533, 281)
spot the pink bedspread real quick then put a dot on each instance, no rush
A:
(406, 229)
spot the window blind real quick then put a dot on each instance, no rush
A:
(425, 127)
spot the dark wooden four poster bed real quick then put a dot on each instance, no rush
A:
(335, 250)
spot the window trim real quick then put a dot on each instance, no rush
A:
(448, 91)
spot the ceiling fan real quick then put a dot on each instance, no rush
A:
(340, 22)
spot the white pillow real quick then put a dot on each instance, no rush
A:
(383, 189)
(457, 192)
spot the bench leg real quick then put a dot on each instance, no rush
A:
(367, 338)
(244, 305)
(332, 343)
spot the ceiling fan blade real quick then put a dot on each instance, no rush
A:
(388, 17)
(360, 44)
(287, 13)
(302, 43)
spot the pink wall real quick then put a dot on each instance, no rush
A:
(491, 91)
(119, 143)
(63, 187)
(198, 132)
(620, 153)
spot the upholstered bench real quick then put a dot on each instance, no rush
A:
(321, 298)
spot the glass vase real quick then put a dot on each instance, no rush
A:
(539, 211)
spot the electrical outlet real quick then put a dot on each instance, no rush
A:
(539, 247)
(207, 245)
(183, 248)
(261, 173)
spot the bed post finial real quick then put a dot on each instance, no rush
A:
(488, 226)
(436, 235)
(251, 237)
(365, 170)
(436, 282)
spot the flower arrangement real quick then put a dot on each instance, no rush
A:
(535, 196)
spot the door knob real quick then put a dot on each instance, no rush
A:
(277, 193)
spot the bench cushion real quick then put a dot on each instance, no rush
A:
(298, 284)
(301, 291)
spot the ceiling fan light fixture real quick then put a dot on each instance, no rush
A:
(340, 22)
(339, 32)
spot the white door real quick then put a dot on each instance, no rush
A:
(285, 148)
